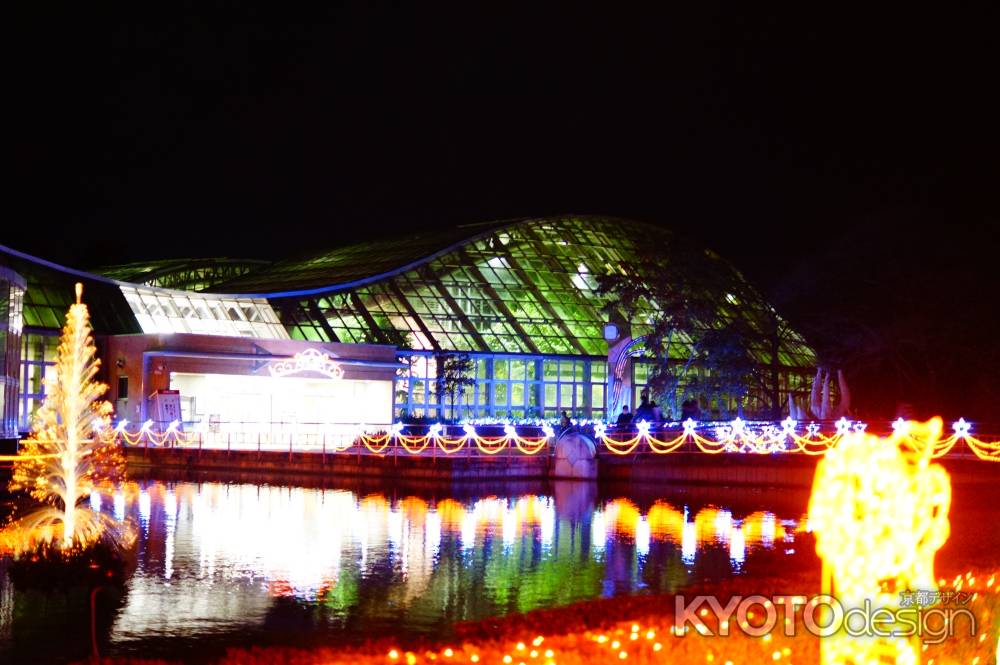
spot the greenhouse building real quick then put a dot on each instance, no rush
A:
(361, 332)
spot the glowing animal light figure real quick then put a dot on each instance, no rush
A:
(64, 460)
(879, 509)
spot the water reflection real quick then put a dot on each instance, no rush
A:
(231, 563)
(708, 527)
(300, 542)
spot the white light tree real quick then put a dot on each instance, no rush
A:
(64, 459)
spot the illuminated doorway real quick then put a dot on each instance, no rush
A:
(280, 406)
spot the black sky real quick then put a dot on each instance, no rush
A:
(828, 152)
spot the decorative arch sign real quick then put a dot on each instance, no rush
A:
(310, 360)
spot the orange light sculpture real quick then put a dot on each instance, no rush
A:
(879, 510)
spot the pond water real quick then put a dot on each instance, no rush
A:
(229, 564)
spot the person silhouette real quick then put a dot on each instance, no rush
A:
(624, 418)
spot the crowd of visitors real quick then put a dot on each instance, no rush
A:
(647, 410)
(651, 412)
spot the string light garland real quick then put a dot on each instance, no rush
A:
(740, 436)
(736, 436)
(377, 444)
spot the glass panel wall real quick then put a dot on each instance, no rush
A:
(11, 323)
(506, 386)
(38, 371)
(181, 312)
(716, 406)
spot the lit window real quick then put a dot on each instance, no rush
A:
(169, 312)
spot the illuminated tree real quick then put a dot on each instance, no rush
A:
(453, 377)
(733, 371)
(64, 459)
(698, 314)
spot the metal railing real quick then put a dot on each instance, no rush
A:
(384, 439)
(505, 439)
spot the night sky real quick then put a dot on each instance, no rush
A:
(846, 161)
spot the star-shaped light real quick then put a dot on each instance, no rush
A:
(397, 429)
(900, 426)
(643, 427)
(812, 429)
(961, 427)
(470, 430)
(689, 425)
(146, 426)
(548, 431)
(843, 426)
(860, 427)
(172, 427)
(788, 425)
(508, 429)
(600, 429)
(434, 431)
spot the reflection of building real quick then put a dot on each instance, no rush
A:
(518, 297)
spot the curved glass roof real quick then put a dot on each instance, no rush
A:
(184, 274)
(518, 287)
(346, 265)
(50, 292)
(522, 286)
(119, 307)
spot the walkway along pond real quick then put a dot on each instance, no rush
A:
(737, 453)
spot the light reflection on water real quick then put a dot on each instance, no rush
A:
(233, 563)
(298, 542)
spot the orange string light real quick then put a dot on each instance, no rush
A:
(769, 441)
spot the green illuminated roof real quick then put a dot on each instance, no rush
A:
(350, 263)
(184, 274)
(522, 286)
(527, 286)
(50, 292)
